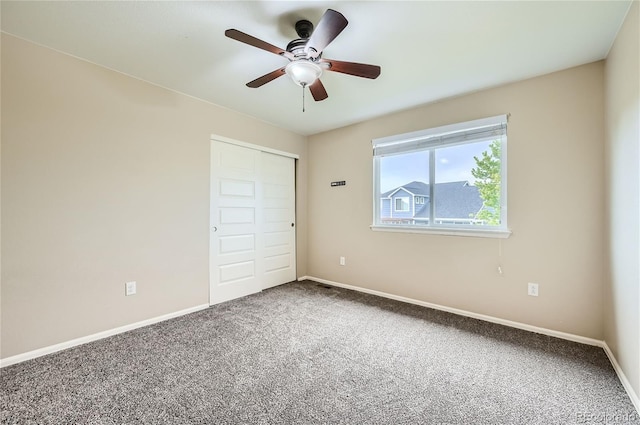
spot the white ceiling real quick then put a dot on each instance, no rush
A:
(428, 50)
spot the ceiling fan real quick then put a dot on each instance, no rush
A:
(306, 63)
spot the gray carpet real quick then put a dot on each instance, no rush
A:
(302, 353)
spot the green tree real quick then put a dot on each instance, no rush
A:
(488, 176)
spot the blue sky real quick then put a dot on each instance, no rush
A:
(452, 164)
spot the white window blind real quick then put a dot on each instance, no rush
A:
(448, 135)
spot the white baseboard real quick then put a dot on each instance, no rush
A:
(94, 337)
(623, 378)
(563, 335)
(518, 325)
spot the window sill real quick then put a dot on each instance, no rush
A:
(447, 231)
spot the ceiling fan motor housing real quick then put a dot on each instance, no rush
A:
(304, 28)
(297, 48)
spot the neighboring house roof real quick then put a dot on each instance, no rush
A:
(415, 188)
(391, 193)
(453, 199)
(418, 188)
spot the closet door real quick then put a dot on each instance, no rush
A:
(278, 223)
(252, 235)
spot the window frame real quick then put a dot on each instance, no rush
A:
(403, 200)
(416, 139)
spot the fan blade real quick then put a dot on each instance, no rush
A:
(260, 81)
(318, 91)
(331, 24)
(352, 68)
(252, 41)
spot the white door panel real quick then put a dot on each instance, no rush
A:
(234, 222)
(236, 244)
(237, 272)
(237, 215)
(237, 188)
(279, 219)
(276, 239)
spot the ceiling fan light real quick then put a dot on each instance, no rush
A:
(303, 72)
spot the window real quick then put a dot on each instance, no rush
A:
(456, 175)
(402, 204)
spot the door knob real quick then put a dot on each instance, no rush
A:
(214, 229)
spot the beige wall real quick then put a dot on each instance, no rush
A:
(622, 300)
(555, 209)
(105, 179)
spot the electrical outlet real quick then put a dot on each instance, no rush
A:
(533, 289)
(342, 261)
(130, 288)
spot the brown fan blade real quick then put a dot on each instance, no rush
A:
(252, 41)
(352, 68)
(331, 24)
(318, 91)
(266, 78)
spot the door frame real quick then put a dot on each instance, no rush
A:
(215, 137)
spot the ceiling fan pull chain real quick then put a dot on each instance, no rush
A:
(303, 86)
